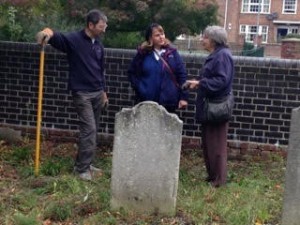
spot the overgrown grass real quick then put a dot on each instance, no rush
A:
(253, 194)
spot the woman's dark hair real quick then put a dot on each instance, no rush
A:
(94, 16)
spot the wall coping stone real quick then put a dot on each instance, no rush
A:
(189, 57)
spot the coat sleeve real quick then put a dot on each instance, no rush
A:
(218, 74)
(181, 76)
(133, 72)
(59, 41)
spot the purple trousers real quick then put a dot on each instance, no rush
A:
(214, 140)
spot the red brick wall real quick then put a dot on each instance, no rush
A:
(272, 50)
(240, 150)
(233, 14)
(290, 48)
(237, 150)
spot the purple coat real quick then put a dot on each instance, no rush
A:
(215, 78)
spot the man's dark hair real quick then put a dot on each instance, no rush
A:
(94, 16)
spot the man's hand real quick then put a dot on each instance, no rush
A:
(104, 100)
(43, 36)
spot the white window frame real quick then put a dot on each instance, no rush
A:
(256, 6)
(250, 35)
(291, 29)
(288, 7)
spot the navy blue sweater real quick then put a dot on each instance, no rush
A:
(86, 59)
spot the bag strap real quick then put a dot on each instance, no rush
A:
(169, 68)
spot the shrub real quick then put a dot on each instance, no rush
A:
(250, 50)
(11, 28)
(129, 40)
(292, 36)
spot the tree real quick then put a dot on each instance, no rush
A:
(127, 19)
(176, 16)
(20, 20)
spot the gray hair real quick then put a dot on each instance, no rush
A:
(217, 34)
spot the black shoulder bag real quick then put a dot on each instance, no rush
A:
(218, 110)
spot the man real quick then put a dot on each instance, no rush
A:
(85, 54)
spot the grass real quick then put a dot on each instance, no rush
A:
(253, 194)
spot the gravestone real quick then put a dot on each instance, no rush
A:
(10, 135)
(146, 158)
(291, 204)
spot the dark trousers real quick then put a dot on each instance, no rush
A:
(171, 109)
(88, 106)
(214, 140)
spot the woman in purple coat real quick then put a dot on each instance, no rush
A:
(157, 71)
(215, 81)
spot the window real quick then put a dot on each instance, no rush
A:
(255, 6)
(285, 30)
(250, 32)
(293, 30)
(289, 6)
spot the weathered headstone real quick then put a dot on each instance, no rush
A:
(10, 135)
(291, 204)
(146, 158)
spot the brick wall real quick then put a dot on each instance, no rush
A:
(266, 91)
(290, 48)
(272, 50)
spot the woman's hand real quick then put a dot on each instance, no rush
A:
(182, 104)
(190, 84)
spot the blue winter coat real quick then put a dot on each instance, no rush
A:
(152, 81)
(215, 78)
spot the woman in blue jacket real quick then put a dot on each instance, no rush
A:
(157, 71)
(215, 82)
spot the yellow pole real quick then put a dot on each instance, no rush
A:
(39, 112)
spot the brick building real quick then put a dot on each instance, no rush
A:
(261, 22)
(269, 19)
